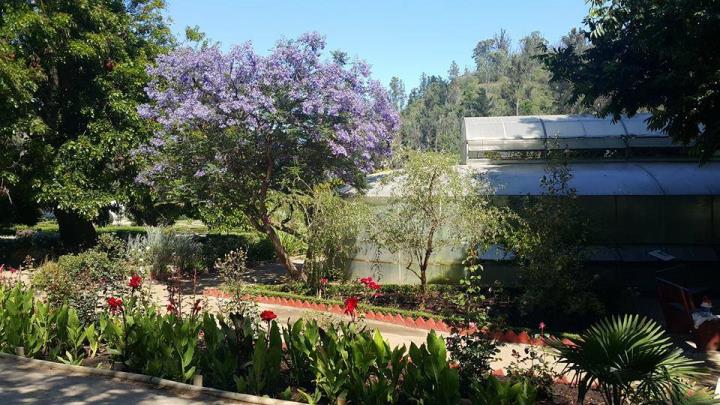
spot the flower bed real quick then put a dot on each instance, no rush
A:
(412, 319)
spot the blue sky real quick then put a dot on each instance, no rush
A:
(398, 38)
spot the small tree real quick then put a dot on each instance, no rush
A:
(424, 211)
(549, 241)
(329, 224)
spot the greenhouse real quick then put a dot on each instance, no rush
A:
(649, 206)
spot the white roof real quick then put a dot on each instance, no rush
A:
(551, 126)
(598, 179)
(538, 132)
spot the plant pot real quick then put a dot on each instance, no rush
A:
(20, 351)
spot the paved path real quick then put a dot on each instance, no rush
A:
(28, 384)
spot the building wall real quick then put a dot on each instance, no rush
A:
(686, 226)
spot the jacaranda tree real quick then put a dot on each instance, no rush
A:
(234, 128)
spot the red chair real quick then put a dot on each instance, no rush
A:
(677, 306)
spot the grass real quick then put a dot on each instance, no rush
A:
(180, 226)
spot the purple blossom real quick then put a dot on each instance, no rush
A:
(193, 89)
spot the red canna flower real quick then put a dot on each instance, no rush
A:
(351, 305)
(135, 281)
(366, 280)
(170, 307)
(115, 304)
(267, 316)
(373, 285)
(323, 281)
(196, 307)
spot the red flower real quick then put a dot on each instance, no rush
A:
(370, 283)
(170, 307)
(366, 280)
(196, 307)
(542, 326)
(115, 304)
(351, 305)
(135, 281)
(323, 281)
(267, 316)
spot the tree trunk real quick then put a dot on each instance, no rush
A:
(423, 285)
(75, 231)
(283, 256)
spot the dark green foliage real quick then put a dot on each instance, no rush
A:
(534, 367)
(71, 76)
(496, 392)
(473, 353)
(262, 373)
(429, 379)
(549, 242)
(111, 245)
(657, 56)
(92, 265)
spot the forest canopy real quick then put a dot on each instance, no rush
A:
(506, 80)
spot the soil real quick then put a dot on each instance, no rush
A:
(567, 395)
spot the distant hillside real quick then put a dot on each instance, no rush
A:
(505, 81)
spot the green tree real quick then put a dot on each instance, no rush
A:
(656, 56)
(71, 76)
(328, 224)
(397, 93)
(453, 71)
(425, 211)
(549, 241)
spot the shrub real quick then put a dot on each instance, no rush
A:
(94, 265)
(549, 242)
(496, 392)
(255, 245)
(428, 378)
(43, 331)
(77, 280)
(163, 249)
(111, 245)
(631, 359)
(55, 282)
(533, 367)
(473, 353)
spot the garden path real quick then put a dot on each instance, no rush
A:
(29, 384)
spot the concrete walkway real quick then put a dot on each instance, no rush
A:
(28, 384)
